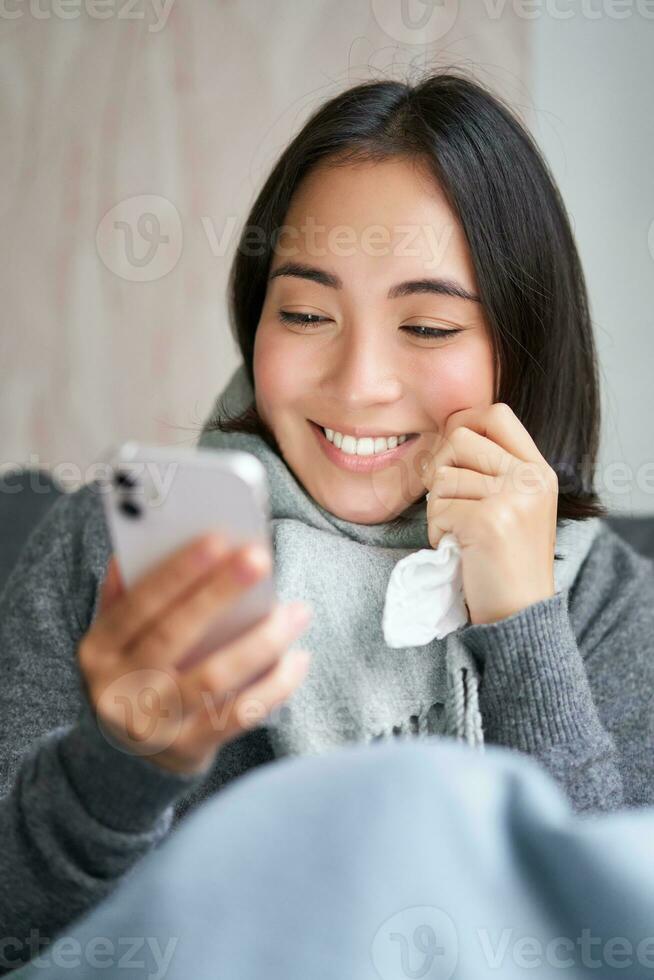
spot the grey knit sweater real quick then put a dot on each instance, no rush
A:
(568, 680)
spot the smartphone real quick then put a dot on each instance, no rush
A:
(158, 498)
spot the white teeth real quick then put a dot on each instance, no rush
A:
(367, 446)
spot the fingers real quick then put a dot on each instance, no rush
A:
(501, 425)
(243, 660)
(166, 640)
(467, 449)
(450, 516)
(251, 706)
(490, 441)
(112, 586)
(183, 717)
(118, 625)
(453, 482)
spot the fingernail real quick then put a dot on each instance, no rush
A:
(251, 563)
(209, 550)
(300, 613)
(298, 657)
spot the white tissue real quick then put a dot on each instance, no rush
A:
(424, 596)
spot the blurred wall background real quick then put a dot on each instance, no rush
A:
(592, 79)
(135, 137)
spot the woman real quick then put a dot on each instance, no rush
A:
(464, 329)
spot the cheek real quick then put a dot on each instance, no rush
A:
(462, 378)
(277, 377)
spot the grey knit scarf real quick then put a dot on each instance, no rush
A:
(357, 688)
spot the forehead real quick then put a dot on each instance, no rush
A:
(395, 191)
(382, 216)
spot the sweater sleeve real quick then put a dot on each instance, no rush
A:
(570, 679)
(78, 816)
(535, 697)
(76, 813)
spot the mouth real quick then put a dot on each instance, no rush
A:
(358, 455)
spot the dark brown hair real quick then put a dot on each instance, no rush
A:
(528, 272)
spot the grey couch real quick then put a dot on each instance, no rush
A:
(25, 496)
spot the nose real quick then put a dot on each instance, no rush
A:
(362, 374)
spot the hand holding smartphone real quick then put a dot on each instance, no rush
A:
(181, 658)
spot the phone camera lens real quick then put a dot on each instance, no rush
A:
(130, 509)
(123, 479)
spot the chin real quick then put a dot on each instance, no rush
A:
(371, 512)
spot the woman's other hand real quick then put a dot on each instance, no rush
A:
(490, 486)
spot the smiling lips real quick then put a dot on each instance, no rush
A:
(363, 445)
(364, 454)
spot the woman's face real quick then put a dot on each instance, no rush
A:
(352, 236)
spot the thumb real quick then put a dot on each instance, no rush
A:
(112, 587)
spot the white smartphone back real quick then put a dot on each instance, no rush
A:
(158, 498)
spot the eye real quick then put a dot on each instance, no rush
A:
(309, 319)
(302, 319)
(428, 332)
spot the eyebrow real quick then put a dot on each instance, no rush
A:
(443, 287)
